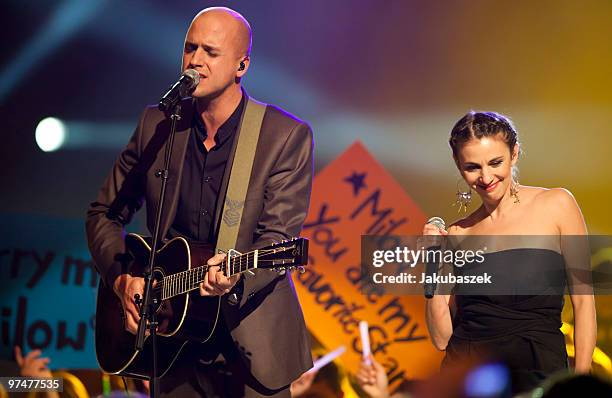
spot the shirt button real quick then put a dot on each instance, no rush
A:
(204, 212)
(207, 179)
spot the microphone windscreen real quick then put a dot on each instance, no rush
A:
(193, 76)
(437, 222)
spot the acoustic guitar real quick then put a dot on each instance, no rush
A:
(182, 314)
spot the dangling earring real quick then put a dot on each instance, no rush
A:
(514, 189)
(463, 198)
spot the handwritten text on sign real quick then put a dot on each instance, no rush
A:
(48, 290)
(355, 196)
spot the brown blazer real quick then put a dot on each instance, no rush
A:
(267, 320)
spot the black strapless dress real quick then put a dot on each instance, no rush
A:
(519, 330)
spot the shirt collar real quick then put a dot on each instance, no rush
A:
(226, 130)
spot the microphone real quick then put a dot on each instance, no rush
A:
(183, 88)
(432, 266)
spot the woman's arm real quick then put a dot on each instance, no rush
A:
(585, 330)
(437, 311)
(439, 323)
(576, 252)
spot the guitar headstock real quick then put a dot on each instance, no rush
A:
(284, 256)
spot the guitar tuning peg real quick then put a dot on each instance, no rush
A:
(301, 269)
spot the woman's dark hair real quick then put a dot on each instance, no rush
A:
(482, 124)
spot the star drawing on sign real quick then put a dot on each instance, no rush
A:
(358, 182)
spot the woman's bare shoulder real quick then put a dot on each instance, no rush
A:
(553, 198)
(558, 205)
(461, 226)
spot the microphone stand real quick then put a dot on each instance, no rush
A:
(149, 302)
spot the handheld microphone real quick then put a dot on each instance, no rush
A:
(183, 88)
(432, 266)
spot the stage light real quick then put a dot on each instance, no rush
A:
(53, 134)
(490, 380)
(50, 134)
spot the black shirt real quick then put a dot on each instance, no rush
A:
(201, 180)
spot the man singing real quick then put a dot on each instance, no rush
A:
(261, 344)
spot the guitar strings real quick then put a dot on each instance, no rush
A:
(184, 281)
(179, 284)
(241, 260)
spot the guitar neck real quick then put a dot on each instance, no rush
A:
(189, 280)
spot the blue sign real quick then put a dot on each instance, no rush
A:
(48, 287)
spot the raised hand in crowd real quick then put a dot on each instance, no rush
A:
(373, 379)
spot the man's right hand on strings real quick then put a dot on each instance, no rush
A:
(126, 287)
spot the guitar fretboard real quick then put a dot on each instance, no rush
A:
(189, 280)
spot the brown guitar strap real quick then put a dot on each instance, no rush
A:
(248, 135)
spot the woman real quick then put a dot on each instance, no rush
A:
(522, 331)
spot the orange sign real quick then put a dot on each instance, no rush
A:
(355, 196)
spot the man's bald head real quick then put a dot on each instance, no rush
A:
(217, 46)
(235, 25)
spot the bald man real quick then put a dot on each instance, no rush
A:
(261, 345)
